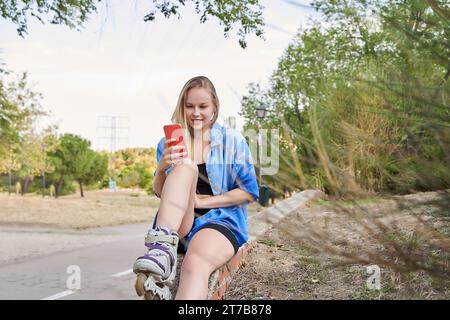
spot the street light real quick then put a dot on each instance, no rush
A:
(261, 111)
(9, 172)
(44, 147)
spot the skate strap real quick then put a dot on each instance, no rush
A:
(171, 239)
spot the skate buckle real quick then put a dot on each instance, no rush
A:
(171, 239)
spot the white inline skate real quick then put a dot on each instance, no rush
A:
(156, 270)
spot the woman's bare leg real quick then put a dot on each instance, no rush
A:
(208, 250)
(176, 210)
(158, 266)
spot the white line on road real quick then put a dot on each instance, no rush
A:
(60, 295)
(123, 273)
(69, 292)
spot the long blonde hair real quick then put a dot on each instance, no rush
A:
(179, 115)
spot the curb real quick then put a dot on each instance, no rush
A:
(220, 280)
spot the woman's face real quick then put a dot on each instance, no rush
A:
(199, 109)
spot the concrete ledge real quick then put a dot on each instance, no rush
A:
(258, 224)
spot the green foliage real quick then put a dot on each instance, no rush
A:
(73, 159)
(72, 13)
(19, 109)
(74, 155)
(96, 168)
(362, 104)
(243, 15)
(22, 147)
(129, 178)
(247, 14)
(135, 167)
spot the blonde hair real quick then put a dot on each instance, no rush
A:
(179, 115)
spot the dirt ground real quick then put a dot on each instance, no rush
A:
(323, 252)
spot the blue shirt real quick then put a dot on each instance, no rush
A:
(229, 165)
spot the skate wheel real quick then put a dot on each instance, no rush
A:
(156, 290)
(139, 285)
(151, 296)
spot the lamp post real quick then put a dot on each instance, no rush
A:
(261, 111)
(9, 181)
(9, 171)
(44, 147)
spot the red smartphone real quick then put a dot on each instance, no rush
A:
(175, 131)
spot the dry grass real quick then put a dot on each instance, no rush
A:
(99, 208)
(323, 252)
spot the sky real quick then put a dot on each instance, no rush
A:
(120, 66)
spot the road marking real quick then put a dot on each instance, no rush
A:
(60, 295)
(69, 292)
(123, 273)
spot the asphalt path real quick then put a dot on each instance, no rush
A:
(97, 269)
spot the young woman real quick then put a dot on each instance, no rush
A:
(204, 193)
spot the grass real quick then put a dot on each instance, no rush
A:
(99, 208)
(344, 203)
(302, 259)
(368, 294)
(268, 242)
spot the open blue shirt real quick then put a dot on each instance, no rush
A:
(229, 165)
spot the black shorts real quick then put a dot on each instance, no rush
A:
(222, 229)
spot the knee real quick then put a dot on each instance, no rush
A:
(186, 165)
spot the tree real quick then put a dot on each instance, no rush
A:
(364, 100)
(72, 13)
(135, 167)
(95, 170)
(246, 14)
(129, 178)
(19, 108)
(8, 115)
(73, 158)
(20, 144)
(31, 159)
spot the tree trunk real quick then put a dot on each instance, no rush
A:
(81, 189)
(24, 186)
(59, 187)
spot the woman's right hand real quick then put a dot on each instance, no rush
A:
(171, 155)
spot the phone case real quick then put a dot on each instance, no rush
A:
(175, 131)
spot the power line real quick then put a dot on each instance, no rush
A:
(113, 130)
(274, 27)
(300, 5)
(113, 134)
